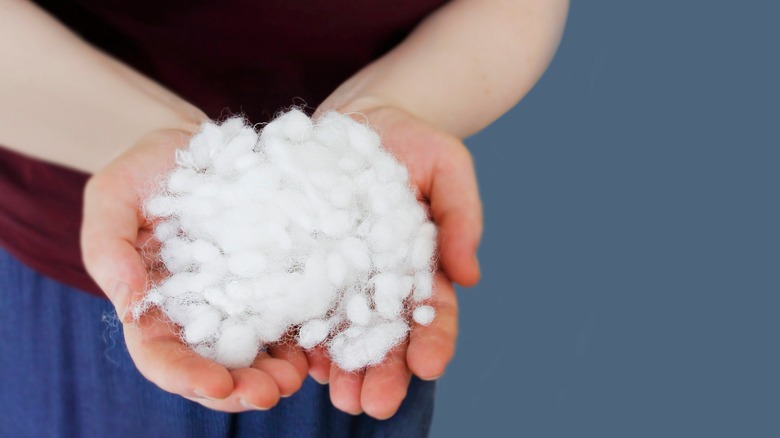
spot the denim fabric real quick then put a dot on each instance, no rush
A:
(65, 372)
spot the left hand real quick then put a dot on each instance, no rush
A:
(441, 168)
(114, 235)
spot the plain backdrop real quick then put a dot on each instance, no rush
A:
(632, 246)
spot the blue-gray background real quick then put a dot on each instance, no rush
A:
(631, 249)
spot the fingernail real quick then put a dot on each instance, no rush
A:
(248, 405)
(429, 379)
(320, 381)
(200, 394)
(120, 296)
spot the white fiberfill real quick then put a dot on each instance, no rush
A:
(309, 228)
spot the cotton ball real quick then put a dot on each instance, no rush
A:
(315, 294)
(247, 263)
(405, 286)
(278, 155)
(208, 187)
(178, 284)
(204, 144)
(389, 170)
(392, 259)
(239, 292)
(312, 333)
(356, 252)
(204, 252)
(231, 126)
(382, 236)
(175, 254)
(242, 141)
(236, 347)
(154, 297)
(337, 269)
(197, 206)
(166, 230)
(383, 197)
(366, 179)
(363, 139)
(404, 223)
(331, 130)
(424, 245)
(423, 315)
(217, 298)
(364, 228)
(358, 311)
(240, 234)
(202, 327)
(182, 181)
(423, 286)
(180, 311)
(246, 162)
(358, 349)
(268, 328)
(350, 164)
(293, 205)
(295, 125)
(387, 294)
(161, 206)
(314, 157)
(324, 180)
(334, 222)
(239, 144)
(258, 183)
(342, 194)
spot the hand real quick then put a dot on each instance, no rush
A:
(113, 233)
(441, 168)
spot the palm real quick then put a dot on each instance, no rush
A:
(114, 236)
(440, 168)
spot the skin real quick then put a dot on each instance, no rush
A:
(462, 68)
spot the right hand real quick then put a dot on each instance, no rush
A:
(113, 233)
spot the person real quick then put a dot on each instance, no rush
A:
(94, 99)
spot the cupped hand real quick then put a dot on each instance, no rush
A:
(441, 168)
(114, 236)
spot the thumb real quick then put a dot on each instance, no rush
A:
(457, 209)
(108, 235)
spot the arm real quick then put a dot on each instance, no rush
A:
(63, 101)
(462, 68)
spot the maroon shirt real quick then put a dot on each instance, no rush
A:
(254, 57)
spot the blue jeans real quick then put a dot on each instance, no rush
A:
(65, 371)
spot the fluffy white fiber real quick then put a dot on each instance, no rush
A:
(303, 226)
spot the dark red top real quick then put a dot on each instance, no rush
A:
(226, 57)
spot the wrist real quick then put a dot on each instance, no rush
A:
(345, 105)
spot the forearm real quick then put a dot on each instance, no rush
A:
(464, 66)
(63, 101)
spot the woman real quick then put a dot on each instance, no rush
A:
(111, 105)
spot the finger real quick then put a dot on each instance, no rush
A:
(385, 385)
(286, 376)
(292, 354)
(457, 210)
(345, 390)
(163, 359)
(319, 365)
(431, 347)
(255, 389)
(108, 236)
(149, 247)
